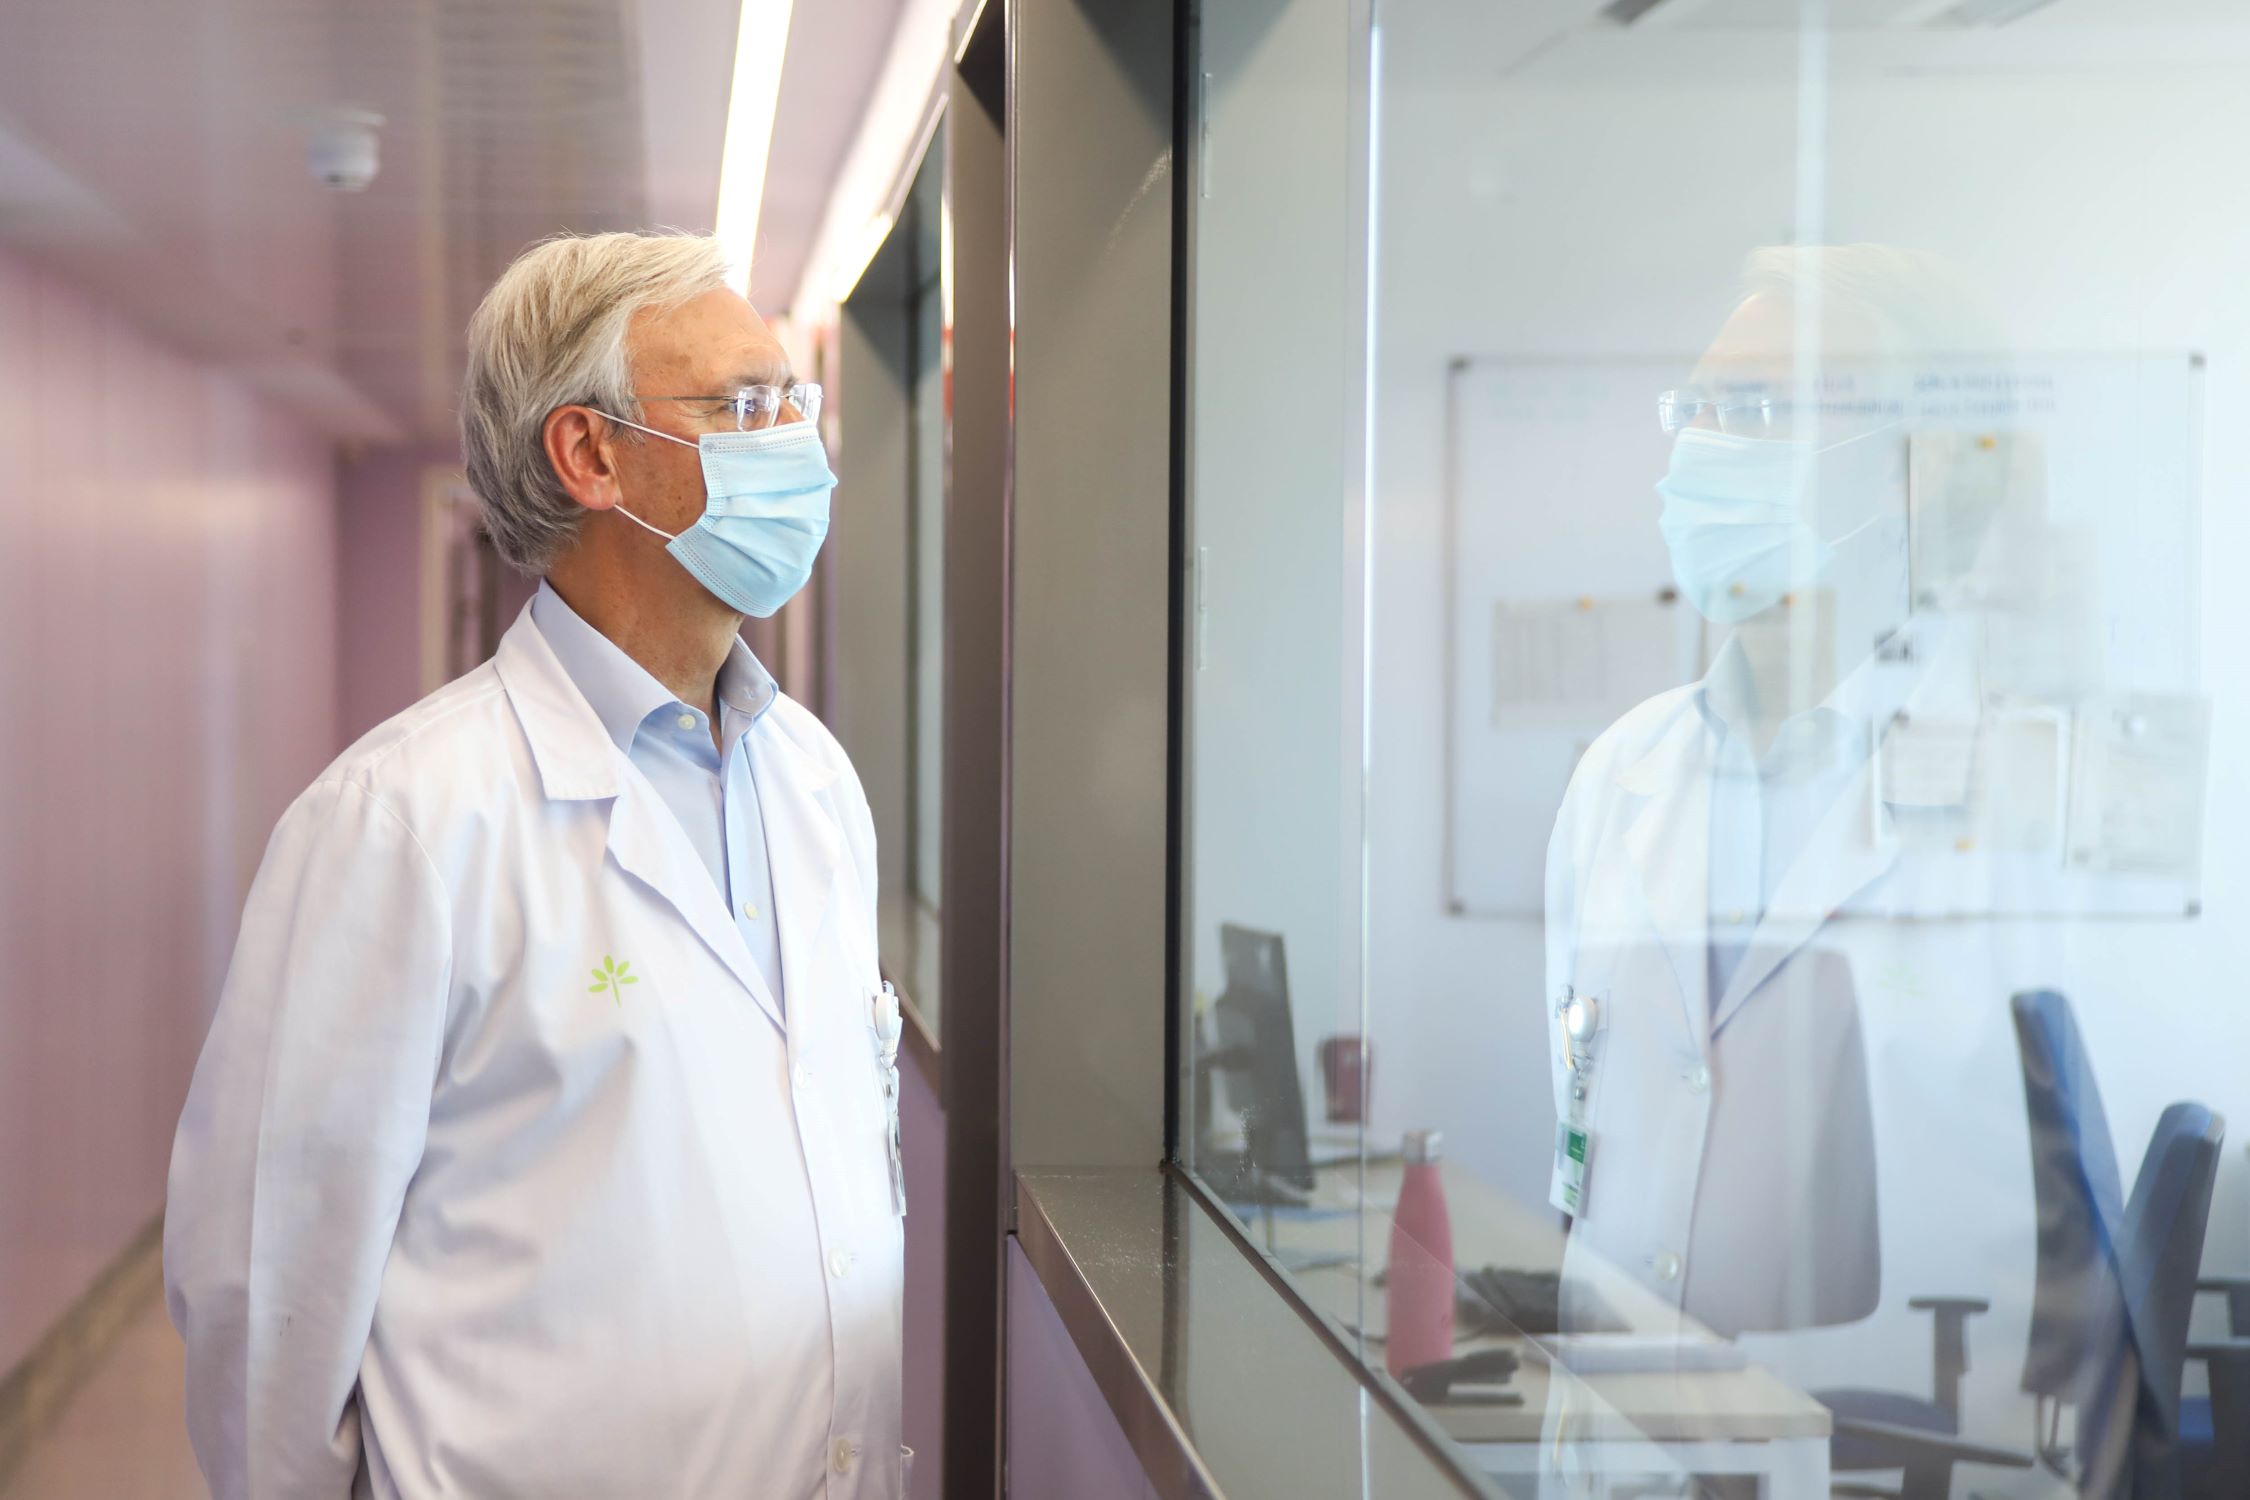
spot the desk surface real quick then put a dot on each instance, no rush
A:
(1489, 1228)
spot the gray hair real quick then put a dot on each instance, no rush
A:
(551, 333)
(1920, 313)
(1916, 303)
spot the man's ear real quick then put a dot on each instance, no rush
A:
(582, 447)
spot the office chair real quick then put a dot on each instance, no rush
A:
(2116, 1278)
(2126, 1389)
(2217, 1453)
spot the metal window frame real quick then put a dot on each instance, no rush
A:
(974, 820)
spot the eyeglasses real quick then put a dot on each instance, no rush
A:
(1747, 415)
(755, 407)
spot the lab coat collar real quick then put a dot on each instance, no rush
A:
(576, 758)
(805, 835)
(650, 845)
(1856, 844)
(1667, 834)
(1667, 839)
(577, 761)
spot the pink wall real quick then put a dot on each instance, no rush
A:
(1063, 1441)
(167, 651)
(379, 523)
(379, 533)
(922, 1143)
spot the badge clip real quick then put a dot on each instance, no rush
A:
(890, 1024)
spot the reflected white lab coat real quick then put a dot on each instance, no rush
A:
(1949, 1210)
(452, 1214)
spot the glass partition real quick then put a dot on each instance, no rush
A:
(1709, 927)
(888, 535)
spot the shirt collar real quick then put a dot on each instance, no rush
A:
(621, 691)
(1832, 733)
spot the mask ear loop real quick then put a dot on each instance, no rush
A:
(669, 536)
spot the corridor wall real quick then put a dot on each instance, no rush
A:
(167, 657)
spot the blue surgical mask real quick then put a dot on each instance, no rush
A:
(765, 514)
(1738, 514)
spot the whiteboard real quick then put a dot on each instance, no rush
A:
(1561, 614)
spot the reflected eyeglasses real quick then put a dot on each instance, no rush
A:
(1747, 415)
(755, 407)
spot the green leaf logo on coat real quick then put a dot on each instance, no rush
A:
(611, 976)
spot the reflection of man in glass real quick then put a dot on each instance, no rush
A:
(1784, 1068)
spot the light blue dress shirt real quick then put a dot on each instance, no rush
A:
(707, 785)
(1766, 808)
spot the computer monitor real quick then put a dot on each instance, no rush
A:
(1256, 1053)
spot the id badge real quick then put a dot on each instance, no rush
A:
(889, 1024)
(1566, 1189)
(1580, 1019)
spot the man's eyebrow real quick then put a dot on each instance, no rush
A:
(762, 375)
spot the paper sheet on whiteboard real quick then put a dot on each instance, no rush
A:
(1579, 661)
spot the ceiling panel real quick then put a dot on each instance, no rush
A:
(157, 154)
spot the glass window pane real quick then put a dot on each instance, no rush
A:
(1277, 1088)
(1752, 797)
(888, 538)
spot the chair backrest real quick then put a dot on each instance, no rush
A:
(2116, 1278)
(2159, 1257)
(2078, 1306)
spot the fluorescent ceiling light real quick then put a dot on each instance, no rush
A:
(761, 42)
(882, 156)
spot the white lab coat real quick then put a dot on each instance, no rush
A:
(447, 1220)
(1770, 1228)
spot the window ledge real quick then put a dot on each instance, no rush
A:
(1222, 1382)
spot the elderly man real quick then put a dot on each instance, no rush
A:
(544, 1144)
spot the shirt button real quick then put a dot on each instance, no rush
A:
(687, 721)
(1699, 1080)
(1667, 1266)
(841, 1458)
(838, 1263)
(750, 910)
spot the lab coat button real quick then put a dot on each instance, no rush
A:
(842, 1458)
(804, 1076)
(1667, 1266)
(838, 1263)
(1699, 1079)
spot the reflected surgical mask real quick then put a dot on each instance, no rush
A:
(1738, 514)
(765, 513)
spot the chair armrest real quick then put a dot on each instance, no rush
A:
(2221, 1351)
(2236, 1289)
(1949, 1345)
(1937, 1444)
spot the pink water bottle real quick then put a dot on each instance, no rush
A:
(1419, 1307)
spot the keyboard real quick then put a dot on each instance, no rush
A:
(1500, 1301)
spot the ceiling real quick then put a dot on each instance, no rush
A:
(155, 155)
